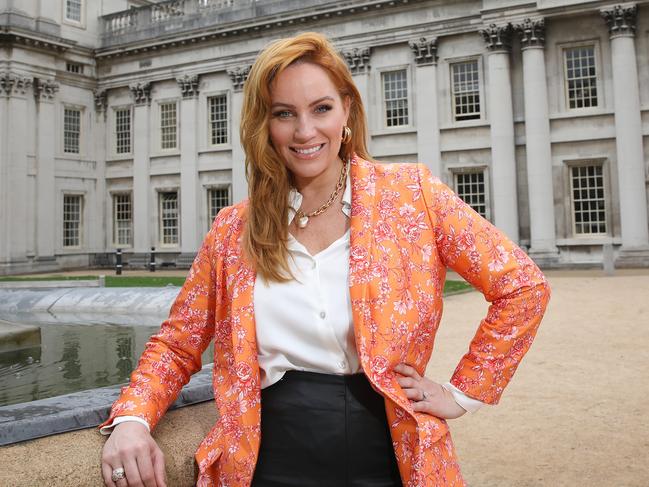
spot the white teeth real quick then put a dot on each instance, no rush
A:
(308, 151)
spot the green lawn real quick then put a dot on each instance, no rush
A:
(451, 287)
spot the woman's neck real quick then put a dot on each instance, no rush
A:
(316, 190)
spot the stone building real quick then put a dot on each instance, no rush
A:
(119, 119)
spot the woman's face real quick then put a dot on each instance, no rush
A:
(307, 117)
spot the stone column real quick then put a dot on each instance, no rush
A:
(358, 61)
(621, 22)
(425, 51)
(13, 168)
(189, 187)
(141, 94)
(46, 198)
(238, 76)
(537, 142)
(98, 239)
(501, 116)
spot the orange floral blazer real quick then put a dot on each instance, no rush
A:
(406, 229)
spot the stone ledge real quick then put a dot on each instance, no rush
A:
(26, 421)
(74, 458)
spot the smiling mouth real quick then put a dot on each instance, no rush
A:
(309, 151)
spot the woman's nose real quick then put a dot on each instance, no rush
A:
(304, 128)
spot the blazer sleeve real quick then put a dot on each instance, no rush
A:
(173, 354)
(510, 281)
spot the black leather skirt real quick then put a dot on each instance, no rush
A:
(324, 430)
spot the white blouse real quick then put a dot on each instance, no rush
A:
(306, 323)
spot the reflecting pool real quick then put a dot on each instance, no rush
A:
(71, 358)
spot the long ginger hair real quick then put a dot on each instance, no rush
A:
(269, 181)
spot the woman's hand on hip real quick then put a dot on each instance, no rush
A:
(426, 395)
(131, 447)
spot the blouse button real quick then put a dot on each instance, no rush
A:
(342, 364)
(323, 314)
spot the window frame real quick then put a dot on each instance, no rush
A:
(593, 161)
(81, 146)
(74, 22)
(114, 195)
(451, 91)
(159, 127)
(160, 228)
(228, 119)
(383, 126)
(484, 169)
(114, 142)
(563, 69)
(80, 230)
(215, 187)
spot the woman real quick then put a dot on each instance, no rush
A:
(323, 294)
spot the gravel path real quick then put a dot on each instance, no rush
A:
(575, 413)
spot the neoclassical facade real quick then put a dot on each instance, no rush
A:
(119, 127)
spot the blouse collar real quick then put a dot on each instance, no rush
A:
(295, 200)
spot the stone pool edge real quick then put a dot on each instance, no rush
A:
(81, 410)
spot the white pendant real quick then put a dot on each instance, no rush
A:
(302, 221)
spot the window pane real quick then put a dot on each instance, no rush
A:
(72, 220)
(168, 218)
(588, 201)
(395, 96)
(466, 90)
(71, 130)
(122, 219)
(123, 131)
(217, 199)
(581, 77)
(168, 125)
(470, 187)
(218, 108)
(73, 10)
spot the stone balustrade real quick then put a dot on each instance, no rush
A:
(148, 16)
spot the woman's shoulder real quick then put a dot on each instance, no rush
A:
(396, 172)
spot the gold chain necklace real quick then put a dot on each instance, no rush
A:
(303, 218)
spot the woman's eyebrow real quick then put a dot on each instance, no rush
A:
(276, 104)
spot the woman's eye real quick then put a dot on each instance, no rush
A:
(282, 114)
(323, 108)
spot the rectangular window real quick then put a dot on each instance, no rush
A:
(218, 107)
(72, 206)
(74, 68)
(168, 126)
(73, 10)
(123, 131)
(466, 90)
(588, 200)
(395, 96)
(122, 219)
(581, 77)
(217, 199)
(470, 186)
(168, 217)
(71, 130)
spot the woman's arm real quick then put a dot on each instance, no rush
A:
(508, 278)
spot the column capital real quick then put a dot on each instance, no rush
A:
(188, 85)
(357, 59)
(141, 93)
(425, 51)
(239, 75)
(45, 89)
(101, 99)
(621, 19)
(532, 33)
(498, 37)
(13, 84)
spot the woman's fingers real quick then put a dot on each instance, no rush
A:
(107, 473)
(407, 370)
(145, 469)
(132, 473)
(159, 467)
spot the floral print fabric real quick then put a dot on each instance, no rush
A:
(406, 229)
